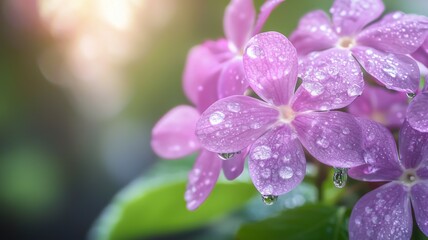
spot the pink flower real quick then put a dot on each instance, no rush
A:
(174, 137)
(385, 213)
(421, 54)
(381, 105)
(275, 128)
(417, 112)
(214, 68)
(380, 48)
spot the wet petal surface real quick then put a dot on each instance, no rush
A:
(417, 113)
(234, 166)
(277, 162)
(420, 205)
(413, 146)
(232, 79)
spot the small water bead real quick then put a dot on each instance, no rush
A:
(340, 177)
(255, 51)
(411, 95)
(261, 152)
(346, 130)
(323, 142)
(266, 173)
(225, 156)
(234, 107)
(354, 90)
(216, 118)
(286, 172)
(255, 125)
(390, 70)
(269, 199)
(314, 88)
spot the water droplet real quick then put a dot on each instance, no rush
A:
(354, 90)
(266, 173)
(269, 199)
(225, 156)
(315, 89)
(390, 70)
(255, 125)
(216, 118)
(261, 152)
(233, 107)
(340, 177)
(411, 95)
(254, 51)
(286, 172)
(346, 130)
(323, 142)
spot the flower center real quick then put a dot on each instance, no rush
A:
(409, 177)
(346, 42)
(286, 114)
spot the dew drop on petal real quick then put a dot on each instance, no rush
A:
(323, 142)
(286, 172)
(411, 95)
(346, 130)
(255, 51)
(390, 70)
(269, 199)
(225, 156)
(354, 90)
(265, 173)
(255, 125)
(216, 117)
(234, 107)
(261, 152)
(314, 88)
(340, 177)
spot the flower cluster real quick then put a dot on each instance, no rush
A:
(266, 98)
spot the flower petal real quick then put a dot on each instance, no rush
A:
(334, 138)
(314, 33)
(202, 62)
(238, 22)
(396, 33)
(234, 166)
(417, 113)
(413, 146)
(202, 179)
(419, 202)
(208, 92)
(380, 154)
(383, 213)
(395, 71)
(421, 54)
(233, 123)
(232, 79)
(173, 136)
(350, 16)
(277, 162)
(331, 79)
(381, 105)
(265, 11)
(270, 65)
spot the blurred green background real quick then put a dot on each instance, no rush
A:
(81, 85)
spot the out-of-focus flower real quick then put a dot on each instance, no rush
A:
(381, 105)
(275, 128)
(380, 48)
(385, 213)
(174, 137)
(422, 53)
(214, 69)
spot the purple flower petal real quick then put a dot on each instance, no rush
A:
(380, 154)
(234, 166)
(202, 179)
(270, 64)
(381, 105)
(331, 79)
(395, 71)
(420, 205)
(412, 146)
(277, 162)
(350, 16)
(314, 33)
(232, 79)
(233, 123)
(207, 92)
(334, 138)
(421, 54)
(238, 22)
(202, 62)
(396, 33)
(173, 136)
(417, 113)
(383, 213)
(264, 14)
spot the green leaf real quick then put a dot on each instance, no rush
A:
(306, 222)
(154, 205)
